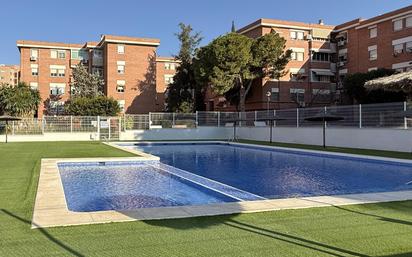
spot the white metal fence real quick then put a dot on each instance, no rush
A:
(386, 115)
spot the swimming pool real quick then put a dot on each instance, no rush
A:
(280, 173)
(208, 173)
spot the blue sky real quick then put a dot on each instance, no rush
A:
(77, 21)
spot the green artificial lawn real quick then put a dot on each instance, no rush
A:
(359, 230)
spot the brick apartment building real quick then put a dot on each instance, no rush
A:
(132, 72)
(323, 55)
(9, 74)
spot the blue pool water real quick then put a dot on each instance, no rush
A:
(204, 173)
(128, 185)
(274, 173)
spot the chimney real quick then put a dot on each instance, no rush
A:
(321, 22)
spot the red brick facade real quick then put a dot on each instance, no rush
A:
(346, 48)
(129, 67)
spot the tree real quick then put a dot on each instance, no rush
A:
(95, 106)
(182, 93)
(232, 62)
(86, 84)
(19, 100)
(353, 85)
(233, 29)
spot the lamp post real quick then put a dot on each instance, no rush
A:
(268, 94)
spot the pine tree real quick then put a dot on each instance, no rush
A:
(233, 27)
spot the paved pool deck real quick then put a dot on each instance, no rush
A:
(50, 209)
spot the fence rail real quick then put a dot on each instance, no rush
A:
(385, 115)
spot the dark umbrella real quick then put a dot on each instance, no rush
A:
(271, 122)
(235, 122)
(324, 117)
(7, 118)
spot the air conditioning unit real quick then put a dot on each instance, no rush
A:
(85, 61)
(302, 104)
(32, 58)
(308, 37)
(341, 43)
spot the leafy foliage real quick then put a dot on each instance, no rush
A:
(353, 85)
(19, 100)
(86, 84)
(183, 95)
(232, 62)
(95, 106)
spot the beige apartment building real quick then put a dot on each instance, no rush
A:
(129, 66)
(9, 74)
(323, 55)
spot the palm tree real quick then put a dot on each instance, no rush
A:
(19, 100)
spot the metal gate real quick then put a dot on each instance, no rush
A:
(109, 128)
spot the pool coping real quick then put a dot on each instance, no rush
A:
(50, 208)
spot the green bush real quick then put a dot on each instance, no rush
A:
(95, 106)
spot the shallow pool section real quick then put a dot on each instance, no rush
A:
(280, 173)
(99, 186)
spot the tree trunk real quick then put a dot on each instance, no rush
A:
(243, 93)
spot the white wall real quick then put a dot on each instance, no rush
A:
(367, 138)
(48, 137)
(222, 133)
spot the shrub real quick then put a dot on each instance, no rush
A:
(95, 106)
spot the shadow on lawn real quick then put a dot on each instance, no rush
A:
(227, 220)
(45, 233)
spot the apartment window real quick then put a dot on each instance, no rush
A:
(297, 56)
(57, 71)
(120, 49)
(398, 25)
(57, 89)
(409, 47)
(398, 49)
(34, 69)
(120, 86)
(56, 107)
(97, 71)
(373, 32)
(120, 69)
(34, 53)
(34, 85)
(74, 54)
(168, 79)
(61, 54)
(320, 57)
(297, 35)
(97, 53)
(321, 95)
(373, 52)
(274, 94)
(408, 22)
(170, 66)
(297, 94)
(121, 104)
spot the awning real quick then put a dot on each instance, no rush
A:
(324, 73)
(321, 33)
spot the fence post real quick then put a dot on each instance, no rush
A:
(42, 125)
(71, 124)
(325, 110)
(255, 116)
(239, 116)
(173, 119)
(197, 119)
(98, 127)
(218, 119)
(12, 125)
(274, 115)
(405, 121)
(109, 123)
(297, 117)
(150, 119)
(360, 115)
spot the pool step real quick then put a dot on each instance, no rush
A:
(209, 183)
